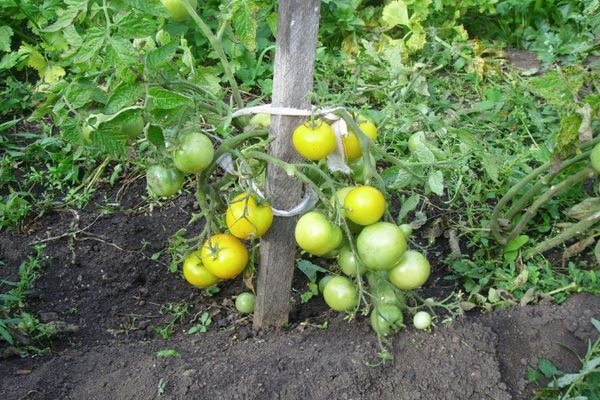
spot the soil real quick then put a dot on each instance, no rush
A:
(106, 280)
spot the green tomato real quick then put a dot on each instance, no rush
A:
(193, 153)
(595, 158)
(316, 235)
(263, 120)
(133, 126)
(177, 10)
(340, 294)
(323, 282)
(386, 319)
(406, 229)
(411, 272)
(422, 320)
(415, 140)
(244, 303)
(348, 262)
(381, 245)
(163, 181)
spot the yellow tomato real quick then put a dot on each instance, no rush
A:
(246, 219)
(224, 256)
(352, 145)
(314, 140)
(364, 205)
(195, 273)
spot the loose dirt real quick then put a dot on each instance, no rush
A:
(108, 279)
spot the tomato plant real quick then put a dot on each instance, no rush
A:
(224, 256)
(411, 271)
(164, 181)
(340, 294)
(381, 245)
(314, 140)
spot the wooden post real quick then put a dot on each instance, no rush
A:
(297, 29)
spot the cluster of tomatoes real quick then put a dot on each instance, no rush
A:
(362, 244)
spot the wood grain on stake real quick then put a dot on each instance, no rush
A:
(297, 28)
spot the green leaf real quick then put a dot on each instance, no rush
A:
(197, 329)
(310, 270)
(490, 165)
(597, 251)
(10, 60)
(547, 368)
(9, 124)
(168, 353)
(156, 137)
(124, 95)
(408, 205)
(135, 27)
(71, 131)
(6, 334)
(422, 153)
(584, 209)
(244, 22)
(148, 7)
(120, 52)
(396, 178)
(395, 13)
(93, 42)
(516, 243)
(110, 141)
(6, 33)
(596, 324)
(557, 88)
(567, 139)
(161, 56)
(436, 183)
(166, 99)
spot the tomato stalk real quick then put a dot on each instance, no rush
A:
(215, 42)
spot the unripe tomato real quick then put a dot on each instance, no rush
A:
(411, 271)
(348, 262)
(133, 125)
(323, 282)
(195, 273)
(386, 319)
(380, 246)
(177, 10)
(224, 256)
(246, 219)
(163, 181)
(341, 194)
(351, 143)
(193, 153)
(422, 320)
(340, 294)
(364, 205)
(406, 229)
(415, 140)
(358, 168)
(316, 235)
(595, 158)
(244, 302)
(315, 140)
(263, 120)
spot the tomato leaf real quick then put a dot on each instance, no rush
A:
(408, 205)
(160, 56)
(124, 95)
(244, 22)
(547, 368)
(310, 270)
(436, 183)
(395, 13)
(6, 33)
(166, 99)
(167, 353)
(156, 137)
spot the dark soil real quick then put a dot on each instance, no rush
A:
(103, 280)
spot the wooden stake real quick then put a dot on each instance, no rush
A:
(297, 29)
